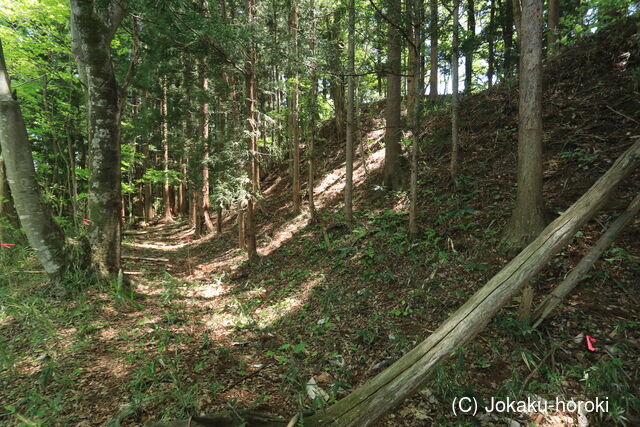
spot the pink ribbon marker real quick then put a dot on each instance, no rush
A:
(8, 245)
(86, 221)
(188, 239)
(590, 341)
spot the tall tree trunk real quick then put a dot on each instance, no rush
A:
(252, 139)
(93, 26)
(148, 187)
(166, 217)
(184, 200)
(527, 219)
(470, 46)
(337, 85)
(43, 232)
(294, 129)
(507, 34)
(553, 19)
(71, 153)
(433, 29)
(412, 79)
(455, 143)
(203, 215)
(415, 113)
(348, 186)
(392, 173)
(313, 122)
(491, 44)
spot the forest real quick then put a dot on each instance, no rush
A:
(319, 213)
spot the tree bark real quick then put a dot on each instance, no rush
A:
(203, 215)
(418, 7)
(148, 188)
(527, 219)
(507, 34)
(337, 85)
(294, 128)
(8, 216)
(553, 19)
(392, 173)
(470, 46)
(313, 122)
(252, 139)
(348, 186)
(433, 77)
(166, 217)
(455, 149)
(93, 28)
(577, 274)
(43, 232)
(491, 44)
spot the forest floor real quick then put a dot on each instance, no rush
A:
(208, 332)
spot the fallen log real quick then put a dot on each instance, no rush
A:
(571, 281)
(386, 390)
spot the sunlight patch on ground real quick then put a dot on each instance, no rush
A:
(325, 191)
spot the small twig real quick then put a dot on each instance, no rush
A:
(623, 115)
(144, 258)
(241, 380)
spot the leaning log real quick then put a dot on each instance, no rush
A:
(371, 401)
(571, 281)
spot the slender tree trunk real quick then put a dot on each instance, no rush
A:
(219, 220)
(242, 239)
(93, 27)
(348, 186)
(433, 27)
(416, 114)
(455, 143)
(252, 119)
(392, 173)
(517, 16)
(337, 85)
(527, 219)
(553, 19)
(166, 217)
(294, 129)
(412, 79)
(470, 46)
(203, 215)
(507, 33)
(313, 122)
(491, 44)
(148, 188)
(184, 200)
(43, 232)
